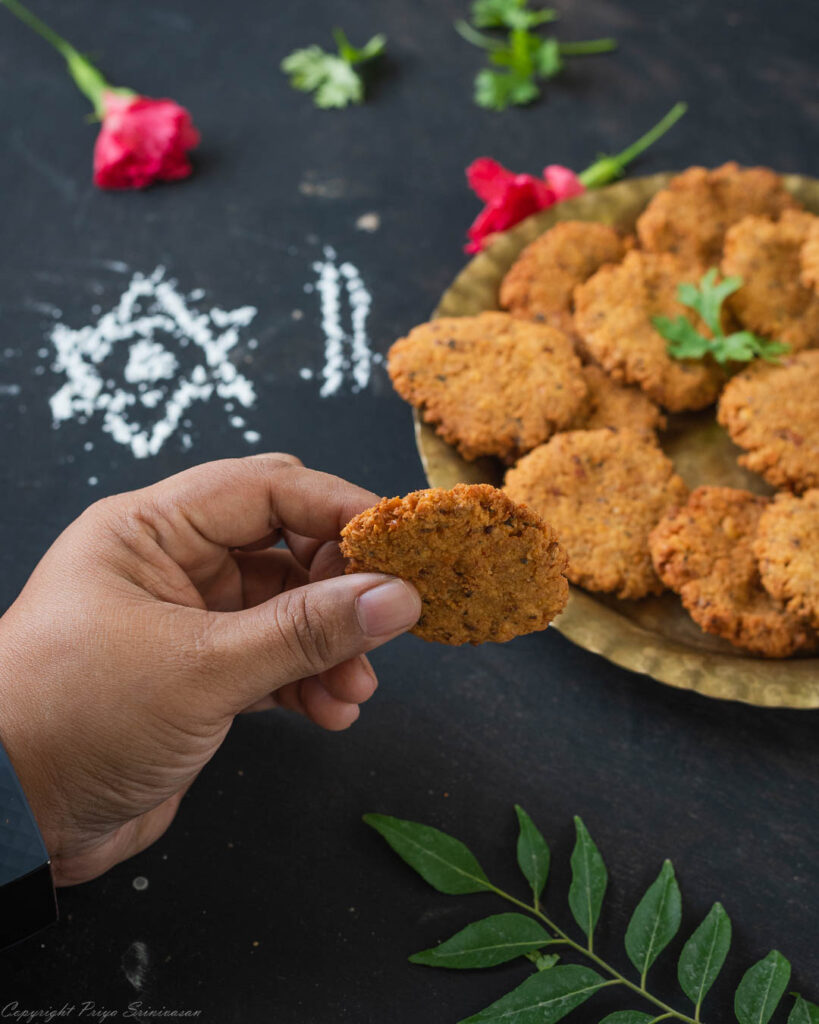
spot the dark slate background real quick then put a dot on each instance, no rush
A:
(269, 900)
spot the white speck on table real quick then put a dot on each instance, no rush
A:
(369, 222)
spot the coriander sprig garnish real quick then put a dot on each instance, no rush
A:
(332, 77)
(556, 989)
(524, 57)
(509, 14)
(684, 341)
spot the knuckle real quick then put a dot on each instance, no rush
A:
(118, 513)
(104, 510)
(96, 534)
(272, 467)
(125, 530)
(303, 631)
(291, 460)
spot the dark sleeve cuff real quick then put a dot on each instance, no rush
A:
(27, 899)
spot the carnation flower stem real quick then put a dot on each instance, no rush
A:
(609, 168)
(39, 27)
(88, 79)
(652, 134)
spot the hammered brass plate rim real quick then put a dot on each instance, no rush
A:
(586, 621)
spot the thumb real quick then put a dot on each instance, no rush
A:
(303, 632)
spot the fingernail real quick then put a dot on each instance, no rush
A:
(347, 716)
(388, 608)
(365, 664)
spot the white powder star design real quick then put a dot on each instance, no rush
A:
(151, 309)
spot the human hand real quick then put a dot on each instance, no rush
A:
(157, 617)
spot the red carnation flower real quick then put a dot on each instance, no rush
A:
(141, 140)
(509, 198)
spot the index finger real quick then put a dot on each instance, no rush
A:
(236, 502)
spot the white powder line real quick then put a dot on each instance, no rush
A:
(328, 289)
(347, 353)
(9, 390)
(360, 305)
(149, 311)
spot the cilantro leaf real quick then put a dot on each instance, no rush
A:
(509, 14)
(742, 346)
(306, 68)
(548, 60)
(770, 350)
(332, 78)
(684, 341)
(497, 90)
(707, 298)
(526, 56)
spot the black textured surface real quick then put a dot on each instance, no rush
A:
(269, 900)
(28, 904)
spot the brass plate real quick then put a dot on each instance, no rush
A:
(654, 636)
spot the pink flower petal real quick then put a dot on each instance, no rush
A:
(142, 140)
(519, 197)
(564, 183)
(486, 177)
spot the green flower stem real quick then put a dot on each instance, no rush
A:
(651, 136)
(609, 168)
(88, 79)
(39, 27)
(588, 47)
(617, 978)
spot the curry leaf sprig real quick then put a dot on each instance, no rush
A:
(524, 58)
(332, 77)
(556, 989)
(684, 341)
